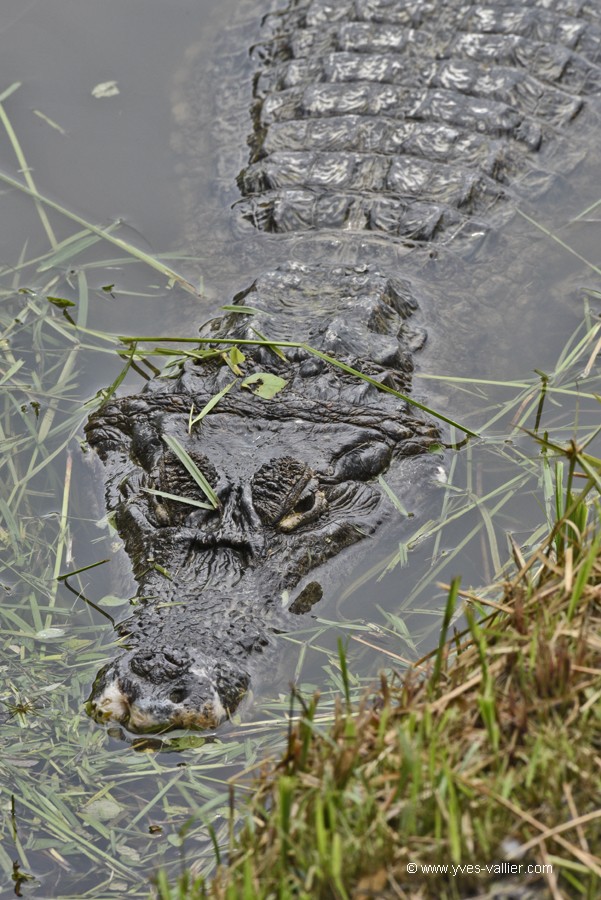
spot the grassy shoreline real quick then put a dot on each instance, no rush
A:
(485, 755)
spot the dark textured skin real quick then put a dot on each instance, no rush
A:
(405, 120)
(410, 118)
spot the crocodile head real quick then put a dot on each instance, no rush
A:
(292, 489)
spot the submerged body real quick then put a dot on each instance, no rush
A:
(402, 121)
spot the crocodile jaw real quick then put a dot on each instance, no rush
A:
(189, 699)
(113, 705)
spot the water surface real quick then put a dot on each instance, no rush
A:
(82, 811)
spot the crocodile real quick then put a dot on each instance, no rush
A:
(239, 485)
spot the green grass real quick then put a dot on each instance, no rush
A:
(78, 807)
(437, 783)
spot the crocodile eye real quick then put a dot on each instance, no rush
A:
(306, 503)
(308, 507)
(285, 494)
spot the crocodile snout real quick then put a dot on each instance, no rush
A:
(158, 690)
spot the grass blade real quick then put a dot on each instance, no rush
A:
(558, 240)
(448, 615)
(314, 352)
(208, 406)
(187, 461)
(25, 168)
(179, 499)
(105, 233)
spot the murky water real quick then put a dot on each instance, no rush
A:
(81, 811)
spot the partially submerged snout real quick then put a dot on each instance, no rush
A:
(158, 690)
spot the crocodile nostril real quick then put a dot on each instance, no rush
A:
(178, 695)
(175, 657)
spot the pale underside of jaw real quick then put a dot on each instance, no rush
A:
(113, 705)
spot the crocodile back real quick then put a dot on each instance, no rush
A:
(410, 118)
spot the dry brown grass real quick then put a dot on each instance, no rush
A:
(491, 748)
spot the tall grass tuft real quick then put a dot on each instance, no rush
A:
(477, 773)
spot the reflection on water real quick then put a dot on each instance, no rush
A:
(161, 155)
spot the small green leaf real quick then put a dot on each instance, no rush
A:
(243, 310)
(104, 809)
(111, 600)
(162, 571)
(50, 634)
(233, 359)
(187, 742)
(236, 356)
(175, 840)
(60, 302)
(268, 385)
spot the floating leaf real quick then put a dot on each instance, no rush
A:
(175, 840)
(267, 385)
(111, 600)
(128, 852)
(187, 742)
(103, 809)
(243, 310)
(10, 90)
(50, 634)
(18, 762)
(68, 249)
(396, 501)
(105, 89)
(60, 302)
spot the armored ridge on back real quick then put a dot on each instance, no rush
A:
(401, 118)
